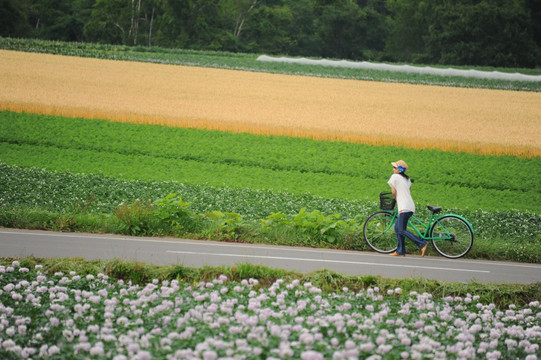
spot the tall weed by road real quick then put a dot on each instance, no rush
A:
(137, 217)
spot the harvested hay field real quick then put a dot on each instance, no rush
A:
(417, 116)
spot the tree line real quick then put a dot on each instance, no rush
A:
(502, 33)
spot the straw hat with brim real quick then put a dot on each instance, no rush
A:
(400, 164)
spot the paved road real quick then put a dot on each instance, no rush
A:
(196, 253)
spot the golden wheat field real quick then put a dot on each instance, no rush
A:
(455, 119)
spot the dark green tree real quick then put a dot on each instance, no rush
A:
(376, 18)
(109, 22)
(51, 19)
(234, 19)
(534, 7)
(13, 19)
(126, 22)
(341, 28)
(453, 32)
(81, 11)
(266, 31)
(408, 26)
(144, 15)
(486, 32)
(192, 24)
(301, 29)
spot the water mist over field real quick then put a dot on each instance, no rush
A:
(495, 75)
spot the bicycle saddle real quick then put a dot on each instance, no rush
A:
(434, 209)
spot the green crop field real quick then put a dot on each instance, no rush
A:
(63, 165)
(327, 169)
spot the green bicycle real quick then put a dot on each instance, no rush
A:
(450, 234)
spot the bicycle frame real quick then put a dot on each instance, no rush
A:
(425, 235)
(450, 234)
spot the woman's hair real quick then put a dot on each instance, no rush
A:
(404, 175)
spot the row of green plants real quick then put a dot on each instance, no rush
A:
(69, 192)
(328, 169)
(269, 152)
(248, 62)
(94, 203)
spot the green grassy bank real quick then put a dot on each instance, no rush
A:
(329, 282)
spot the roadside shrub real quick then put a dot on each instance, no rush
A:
(319, 229)
(24, 218)
(224, 225)
(137, 217)
(174, 213)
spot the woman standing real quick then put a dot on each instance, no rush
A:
(400, 186)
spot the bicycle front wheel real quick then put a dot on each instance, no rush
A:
(379, 234)
(452, 236)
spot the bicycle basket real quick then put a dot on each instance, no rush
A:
(386, 201)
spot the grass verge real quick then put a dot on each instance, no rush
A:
(502, 295)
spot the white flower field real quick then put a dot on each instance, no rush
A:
(72, 316)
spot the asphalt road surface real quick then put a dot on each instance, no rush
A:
(196, 253)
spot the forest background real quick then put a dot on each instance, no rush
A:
(502, 33)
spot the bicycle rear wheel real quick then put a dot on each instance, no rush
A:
(452, 236)
(379, 234)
